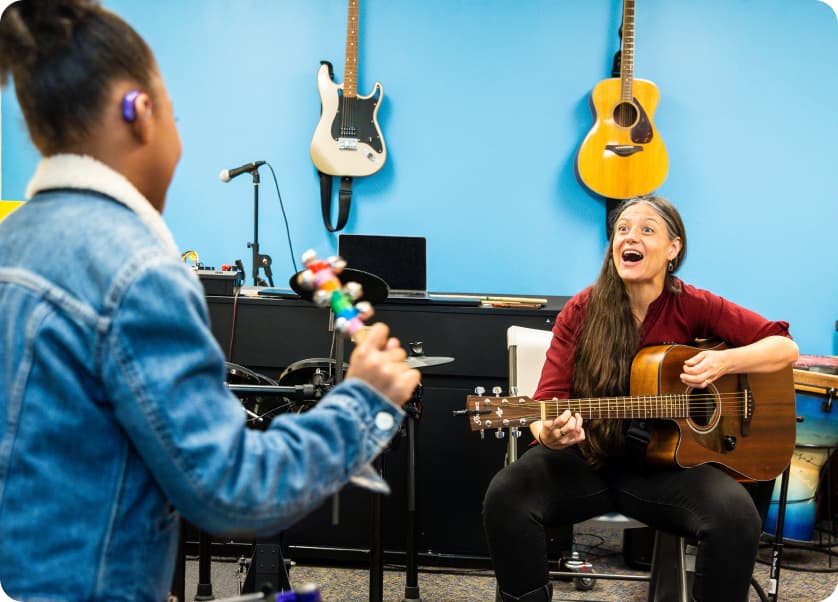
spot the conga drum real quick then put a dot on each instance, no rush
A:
(817, 437)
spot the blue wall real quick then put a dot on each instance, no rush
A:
(486, 103)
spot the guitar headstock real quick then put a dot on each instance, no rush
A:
(320, 275)
(499, 411)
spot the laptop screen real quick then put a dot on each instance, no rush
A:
(399, 260)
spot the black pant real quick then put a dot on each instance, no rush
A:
(547, 488)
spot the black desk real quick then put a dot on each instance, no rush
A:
(454, 465)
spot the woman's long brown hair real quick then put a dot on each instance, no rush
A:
(609, 337)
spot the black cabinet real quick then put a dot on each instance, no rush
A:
(453, 465)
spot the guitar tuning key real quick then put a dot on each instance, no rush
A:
(497, 390)
(500, 434)
(479, 390)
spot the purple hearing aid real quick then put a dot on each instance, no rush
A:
(129, 112)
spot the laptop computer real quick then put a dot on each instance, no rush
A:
(401, 261)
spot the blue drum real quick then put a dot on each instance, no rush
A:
(817, 437)
(820, 418)
(801, 499)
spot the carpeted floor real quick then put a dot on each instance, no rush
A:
(805, 576)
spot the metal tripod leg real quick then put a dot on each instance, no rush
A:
(377, 543)
(411, 588)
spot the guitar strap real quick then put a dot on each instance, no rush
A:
(344, 200)
(637, 439)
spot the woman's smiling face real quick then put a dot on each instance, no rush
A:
(642, 246)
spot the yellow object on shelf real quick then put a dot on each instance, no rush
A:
(6, 207)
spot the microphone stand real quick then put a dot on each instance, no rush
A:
(258, 260)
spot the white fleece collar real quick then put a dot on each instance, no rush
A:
(86, 173)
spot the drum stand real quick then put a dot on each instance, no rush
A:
(204, 591)
(377, 542)
(413, 408)
(411, 591)
(267, 563)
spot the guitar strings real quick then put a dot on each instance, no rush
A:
(622, 401)
(727, 403)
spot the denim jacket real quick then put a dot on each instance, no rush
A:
(115, 416)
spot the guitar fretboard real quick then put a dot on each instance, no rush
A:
(651, 406)
(627, 52)
(350, 72)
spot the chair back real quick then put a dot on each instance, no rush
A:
(527, 351)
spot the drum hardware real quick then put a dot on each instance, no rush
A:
(248, 381)
(267, 563)
(417, 358)
(413, 409)
(301, 392)
(204, 589)
(251, 386)
(321, 276)
(365, 287)
(330, 283)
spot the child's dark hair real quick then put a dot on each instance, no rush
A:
(64, 56)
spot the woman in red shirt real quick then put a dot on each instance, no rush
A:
(583, 469)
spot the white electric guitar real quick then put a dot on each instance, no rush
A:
(347, 140)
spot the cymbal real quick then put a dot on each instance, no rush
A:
(375, 289)
(425, 361)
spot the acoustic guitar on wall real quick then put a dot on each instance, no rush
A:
(348, 140)
(623, 155)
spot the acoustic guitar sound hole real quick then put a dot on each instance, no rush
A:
(625, 114)
(702, 407)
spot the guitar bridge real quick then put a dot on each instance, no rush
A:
(348, 144)
(623, 150)
(747, 404)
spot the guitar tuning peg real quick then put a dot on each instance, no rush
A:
(482, 434)
(479, 390)
(497, 389)
(500, 434)
(515, 433)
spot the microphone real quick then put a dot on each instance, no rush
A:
(228, 174)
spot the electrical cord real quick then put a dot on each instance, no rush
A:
(284, 217)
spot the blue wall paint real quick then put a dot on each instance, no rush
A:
(486, 103)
